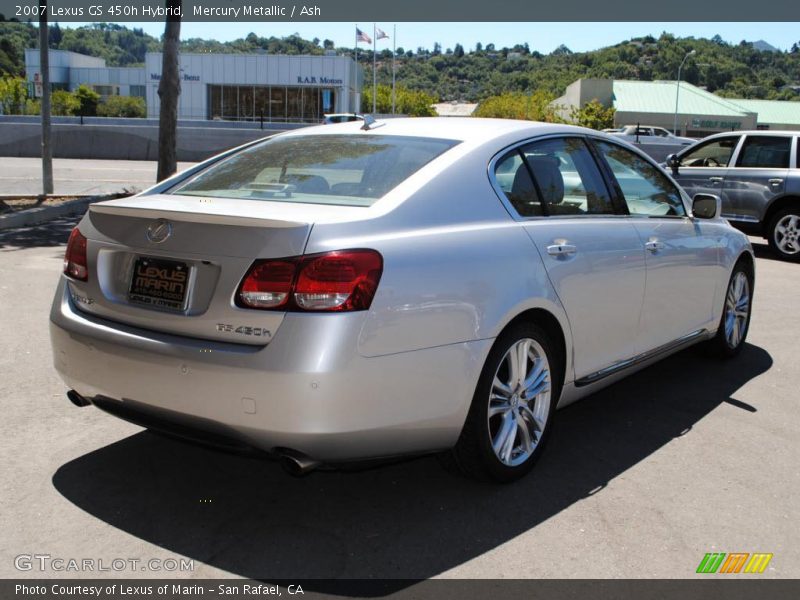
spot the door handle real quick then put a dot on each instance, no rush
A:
(776, 181)
(561, 249)
(654, 246)
(716, 179)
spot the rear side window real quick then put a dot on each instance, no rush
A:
(765, 152)
(346, 170)
(566, 177)
(647, 191)
(514, 178)
(716, 153)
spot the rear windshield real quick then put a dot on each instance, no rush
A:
(347, 170)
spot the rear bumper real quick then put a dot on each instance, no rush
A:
(308, 390)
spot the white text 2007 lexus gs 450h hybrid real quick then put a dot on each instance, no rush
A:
(374, 289)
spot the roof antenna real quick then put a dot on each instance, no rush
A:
(369, 121)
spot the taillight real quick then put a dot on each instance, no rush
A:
(75, 264)
(268, 284)
(344, 280)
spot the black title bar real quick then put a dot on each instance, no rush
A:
(407, 10)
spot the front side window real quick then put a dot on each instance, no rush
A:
(661, 132)
(765, 152)
(566, 177)
(647, 191)
(345, 170)
(716, 153)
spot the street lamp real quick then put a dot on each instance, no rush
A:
(678, 90)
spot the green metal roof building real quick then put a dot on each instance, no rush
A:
(700, 113)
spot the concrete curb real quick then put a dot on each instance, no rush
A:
(41, 214)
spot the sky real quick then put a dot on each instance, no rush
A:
(542, 37)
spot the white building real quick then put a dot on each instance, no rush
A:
(235, 87)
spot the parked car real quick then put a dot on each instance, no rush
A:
(334, 294)
(650, 135)
(341, 118)
(757, 175)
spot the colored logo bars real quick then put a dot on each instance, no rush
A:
(736, 562)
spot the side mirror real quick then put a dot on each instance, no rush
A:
(673, 162)
(706, 206)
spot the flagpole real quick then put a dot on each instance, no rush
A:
(374, 74)
(357, 94)
(394, 55)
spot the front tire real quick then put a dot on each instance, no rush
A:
(736, 312)
(512, 409)
(784, 234)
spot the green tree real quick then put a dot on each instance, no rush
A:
(88, 100)
(123, 106)
(409, 102)
(13, 92)
(593, 115)
(536, 106)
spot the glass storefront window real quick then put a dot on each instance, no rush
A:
(277, 103)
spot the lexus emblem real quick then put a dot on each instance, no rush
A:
(159, 231)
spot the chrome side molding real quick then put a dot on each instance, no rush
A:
(640, 358)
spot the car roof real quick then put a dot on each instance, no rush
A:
(464, 129)
(753, 132)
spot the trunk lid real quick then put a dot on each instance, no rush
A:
(173, 264)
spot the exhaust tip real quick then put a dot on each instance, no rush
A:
(297, 464)
(77, 399)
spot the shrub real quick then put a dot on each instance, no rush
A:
(123, 106)
(63, 103)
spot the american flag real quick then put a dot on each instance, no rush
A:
(362, 37)
(380, 34)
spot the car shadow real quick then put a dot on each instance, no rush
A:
(402, 522)
(763, 251)
(51, 234)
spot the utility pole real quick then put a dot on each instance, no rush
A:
(44, 68)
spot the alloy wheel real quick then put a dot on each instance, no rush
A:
(737, 309)
(519, 402)
(787, 234)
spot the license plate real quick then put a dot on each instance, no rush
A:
(159, 283)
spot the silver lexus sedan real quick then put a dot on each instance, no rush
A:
(373, 289)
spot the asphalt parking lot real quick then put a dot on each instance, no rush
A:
(690, 456)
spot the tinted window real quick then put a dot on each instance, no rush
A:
(514, 179)
(348, 170)
(566, 177)
(716, 153)
(647, 191)
(766, 152)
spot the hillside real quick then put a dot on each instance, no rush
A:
(732, 70)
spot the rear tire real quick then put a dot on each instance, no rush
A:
(784, 234)
(736, 311)
(509, 421)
